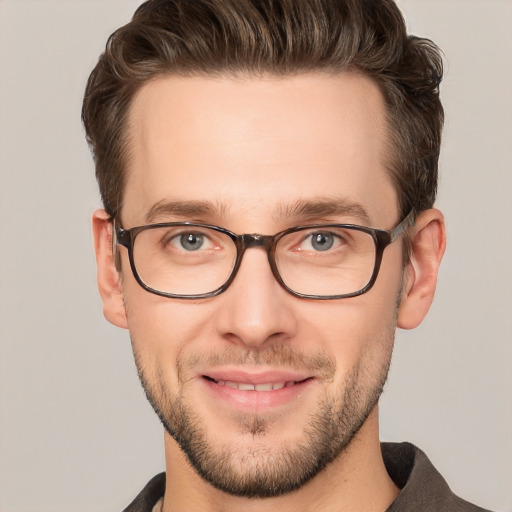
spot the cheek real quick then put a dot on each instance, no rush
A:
(162, 328)
(353, 330)
(362, 346)
(359, 330)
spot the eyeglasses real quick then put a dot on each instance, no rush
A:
(188, 260)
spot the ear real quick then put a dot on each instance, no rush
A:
(109, 278)
(428, 240)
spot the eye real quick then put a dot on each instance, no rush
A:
(190, 241)
(320, 241)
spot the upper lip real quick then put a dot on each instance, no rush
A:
(256, 377)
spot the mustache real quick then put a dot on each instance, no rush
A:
(279, 355)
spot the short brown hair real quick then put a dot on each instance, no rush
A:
(277, 37)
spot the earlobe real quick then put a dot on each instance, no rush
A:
(428, 241)
(109, 278)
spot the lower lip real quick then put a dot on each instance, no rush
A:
(257, 400)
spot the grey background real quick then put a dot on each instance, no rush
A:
(76, 433)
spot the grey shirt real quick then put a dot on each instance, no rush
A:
(422, 487)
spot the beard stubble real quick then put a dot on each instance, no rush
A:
(260, 471)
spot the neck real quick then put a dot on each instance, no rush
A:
(355, 480)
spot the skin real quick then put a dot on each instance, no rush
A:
(253, 147)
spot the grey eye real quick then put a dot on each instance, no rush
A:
(192, 241)
(322, 241)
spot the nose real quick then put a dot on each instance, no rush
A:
(255, 311)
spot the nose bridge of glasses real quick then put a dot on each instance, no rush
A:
(265, 242)
(257, 240)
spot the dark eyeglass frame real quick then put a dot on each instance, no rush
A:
(382, 238)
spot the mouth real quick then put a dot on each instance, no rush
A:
(260, 387)
(255, 392)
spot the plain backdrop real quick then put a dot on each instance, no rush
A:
(76, 433)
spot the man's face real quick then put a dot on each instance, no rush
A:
(264, 154)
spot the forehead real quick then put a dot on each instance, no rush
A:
(254, 145)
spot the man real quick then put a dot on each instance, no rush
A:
(268, 171)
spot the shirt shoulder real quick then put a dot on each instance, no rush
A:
(149, 496)
(422, 486)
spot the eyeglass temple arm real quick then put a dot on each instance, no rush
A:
(408, 222)
(118, 237)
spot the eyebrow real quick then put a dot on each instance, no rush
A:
(323, 207)
(300, 210)
(181, 209)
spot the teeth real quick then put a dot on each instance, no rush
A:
(270, 386)
(264, 387)
(246, 387)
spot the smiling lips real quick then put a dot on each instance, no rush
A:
(244, 386)
(256, 391)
